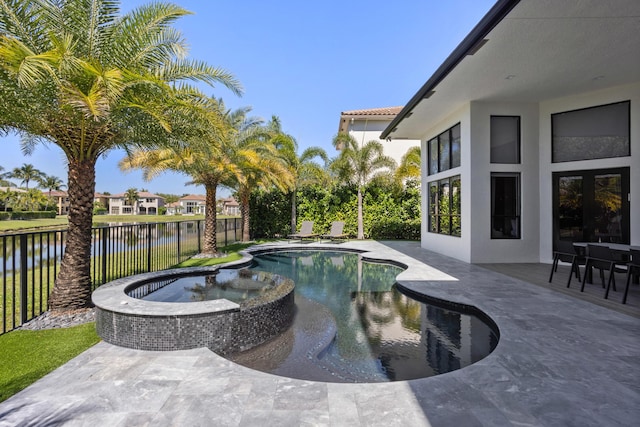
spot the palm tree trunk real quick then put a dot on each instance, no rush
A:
(72, 288)
(360, 216)
(244, 211)
(294, 219)
(210, 220)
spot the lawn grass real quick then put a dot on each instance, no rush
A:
(231, 251)
(26, 356)
(33, 224)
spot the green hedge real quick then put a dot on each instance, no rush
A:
(27, 215)
(390, 211)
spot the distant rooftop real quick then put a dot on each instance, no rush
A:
(383, 113)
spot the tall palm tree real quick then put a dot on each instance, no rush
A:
(359, 165)
(77, 74)
(409, 165)
(304, 169)
(26, 173)
(210, 159)
(264, 165)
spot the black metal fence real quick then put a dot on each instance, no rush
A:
(30, 262)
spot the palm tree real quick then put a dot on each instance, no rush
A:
(263, 165)
(210, 159)
(50, 183)
(131, 198)
(359, 165)
(77, 74)
(304, 169)
(25, 174)
(409, 165)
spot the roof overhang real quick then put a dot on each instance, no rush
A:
(528, 51)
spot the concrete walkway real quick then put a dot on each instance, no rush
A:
(560, 361)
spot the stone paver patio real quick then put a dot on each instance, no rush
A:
(561, 361)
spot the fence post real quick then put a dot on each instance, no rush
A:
(225, 231)
(178, 234)
(23, 278)
(105, 241)
(148, 247)
(199, 243)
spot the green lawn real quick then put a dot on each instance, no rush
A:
(61, 221)
(26, 356)
(33, 224)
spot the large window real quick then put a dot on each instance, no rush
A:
(444, 206)
(444, 150)
(505, 139)
(592, 133)
(505, 205)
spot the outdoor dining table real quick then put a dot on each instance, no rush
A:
(617, 247)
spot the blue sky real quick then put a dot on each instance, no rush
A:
(303, 61)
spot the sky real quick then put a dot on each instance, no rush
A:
(303, 61)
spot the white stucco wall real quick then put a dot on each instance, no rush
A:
(591, 99)
(455, 247)
(369, 130)
(484, 249)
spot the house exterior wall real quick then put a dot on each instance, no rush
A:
(536, 196)
(455, 247)
(585, 100)
(484, 249)
(365, 130)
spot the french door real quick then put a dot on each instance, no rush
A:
(591, 206)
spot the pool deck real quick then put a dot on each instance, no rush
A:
(561, 361)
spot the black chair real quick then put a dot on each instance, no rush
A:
(566, 252)
(633, 269)
(602, 258)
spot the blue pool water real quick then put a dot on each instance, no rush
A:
(354, 325)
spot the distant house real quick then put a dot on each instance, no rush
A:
(103, 199)
(147, 204)
(193, 204)
(530, 132)
(60, 199)
(230, 207)
(366, 125)
(173, 208)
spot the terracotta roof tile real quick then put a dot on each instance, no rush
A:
(384, 111)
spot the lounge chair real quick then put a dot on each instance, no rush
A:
(306, 232)
(336, 232)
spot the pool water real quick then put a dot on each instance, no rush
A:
(231, 284)
(373, 332)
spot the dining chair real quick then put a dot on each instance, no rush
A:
(633, 269)
(566, 252)
(602, 258)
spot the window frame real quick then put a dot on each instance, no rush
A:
(439, 140)
(558, 114)
(518, 204)
(518, 139)
(438, 215)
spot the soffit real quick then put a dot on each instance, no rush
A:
(543, 49)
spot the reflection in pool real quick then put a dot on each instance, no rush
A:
(381, 334)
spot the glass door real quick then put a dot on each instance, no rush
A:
(591, 206)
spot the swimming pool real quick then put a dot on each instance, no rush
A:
(353, 324)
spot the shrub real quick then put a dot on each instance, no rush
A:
(5, 216)
(27, 215)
